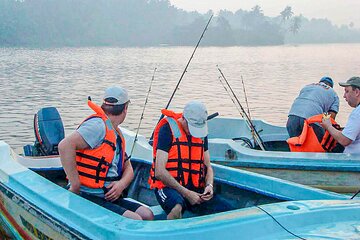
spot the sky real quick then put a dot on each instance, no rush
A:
(337, 11)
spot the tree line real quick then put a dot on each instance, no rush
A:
(48, 23)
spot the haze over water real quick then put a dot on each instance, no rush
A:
(64, 77)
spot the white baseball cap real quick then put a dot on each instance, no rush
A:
(118, 93)
(196, 115)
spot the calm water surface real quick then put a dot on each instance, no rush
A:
(64, 77)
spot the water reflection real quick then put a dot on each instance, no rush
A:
(64, 77)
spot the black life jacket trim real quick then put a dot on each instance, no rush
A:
(83, 155)
(329, 142)
(185, 160)
(179, 169)
(185, 170)
(111, 144)
(89, 166)
(97, 178)
(178, 143)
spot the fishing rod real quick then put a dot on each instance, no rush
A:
(246, 101)
(247, 104)
(183, 73)
(191, 57)
(142, 114)
(243, 113)
(246, 140)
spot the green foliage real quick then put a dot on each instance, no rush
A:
(48, 23)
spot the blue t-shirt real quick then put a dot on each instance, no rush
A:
(93, 132)
(165, 139)
(315, 99)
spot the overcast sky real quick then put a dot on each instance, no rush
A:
(338, 11)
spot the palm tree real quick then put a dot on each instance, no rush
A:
(257, 11)
(295, 25)
(287, 13)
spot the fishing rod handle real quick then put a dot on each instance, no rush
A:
(211, 116)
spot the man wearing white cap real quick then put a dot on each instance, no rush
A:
(94, 157)
(349, 137)
(181, 174)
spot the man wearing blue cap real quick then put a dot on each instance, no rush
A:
(314, 99)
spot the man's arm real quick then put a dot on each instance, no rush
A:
(338, 136)
(117, 187)
(67, 149)
(163, 175)
(332, 114)
(209, 179)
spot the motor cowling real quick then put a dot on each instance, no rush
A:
(49, 131)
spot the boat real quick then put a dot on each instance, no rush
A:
(231, 144)
(35, 205)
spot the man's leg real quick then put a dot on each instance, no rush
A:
(112, 206)
(214, 205)
(134, 208)
(171, 201)
(176, 212)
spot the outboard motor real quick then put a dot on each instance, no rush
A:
(49, 131)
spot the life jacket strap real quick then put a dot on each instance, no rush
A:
(83, 155)
(108, 179)
(111, 144)
(174, 127)
(185, 160)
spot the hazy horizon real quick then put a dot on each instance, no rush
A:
(108, 23)
(337, 11)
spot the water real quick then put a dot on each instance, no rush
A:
(64, 77)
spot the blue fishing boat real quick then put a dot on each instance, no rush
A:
(231, 143)
(35, 205)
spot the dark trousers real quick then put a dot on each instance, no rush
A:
(294, 125)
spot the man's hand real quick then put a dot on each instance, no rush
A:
(74, 189)
(208, 193)
(115, 190)
(193, 197)
(326, 123)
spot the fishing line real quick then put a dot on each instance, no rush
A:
(183, 73)
(246, 101)
(243, 113)
(355, 195)
(247, 105)
(142, 114)
(187, 65)
(280, 223)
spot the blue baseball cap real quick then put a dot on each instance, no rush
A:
(327, 80)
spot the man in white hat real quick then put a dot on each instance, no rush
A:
(181, 174)
(94, 157)
(349, 137)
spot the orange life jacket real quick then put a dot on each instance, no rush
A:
(309, 142)
(93, 164)
(185, 158)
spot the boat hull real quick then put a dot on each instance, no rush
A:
(331, 171)
(36, 208)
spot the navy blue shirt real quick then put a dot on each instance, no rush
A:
(165, 139)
